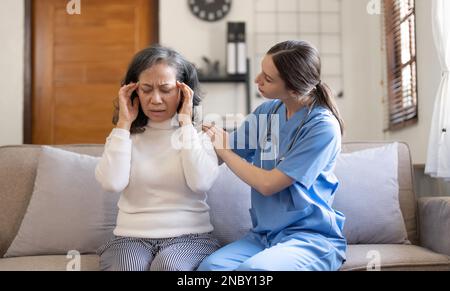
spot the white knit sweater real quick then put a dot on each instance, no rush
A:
(163, 175)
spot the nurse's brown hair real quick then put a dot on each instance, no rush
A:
(299, 65)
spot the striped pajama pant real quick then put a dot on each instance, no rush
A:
(184, 253)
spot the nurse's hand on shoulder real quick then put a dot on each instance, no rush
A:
(128, 111)
(187, 99)
(219, 138)
(266, 182)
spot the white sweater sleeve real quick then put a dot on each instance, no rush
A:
(113, 170)
(199, 160)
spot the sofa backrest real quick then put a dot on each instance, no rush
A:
(18, 166)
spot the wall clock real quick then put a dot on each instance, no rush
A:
(210, 10)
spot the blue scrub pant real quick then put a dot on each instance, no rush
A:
(298, 252)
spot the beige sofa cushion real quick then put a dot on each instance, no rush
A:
(48, 263)
(68, 209)
(17, 175)
(370, 205)
(395, 258)
(408, 202)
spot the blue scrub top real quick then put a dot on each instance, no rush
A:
(306, 206)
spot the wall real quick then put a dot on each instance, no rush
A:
(11, 71)
(194, 38)
(364, 72)
(361, 66)
(428, 76)
(361, 106)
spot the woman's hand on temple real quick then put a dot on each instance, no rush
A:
(128, 111)
(185, 113)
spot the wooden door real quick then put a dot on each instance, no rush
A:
(79, 62)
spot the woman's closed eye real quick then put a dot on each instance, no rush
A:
(166, 91)
(145, 89)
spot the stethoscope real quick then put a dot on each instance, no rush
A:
(267, 138)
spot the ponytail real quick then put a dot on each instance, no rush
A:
(325, 98)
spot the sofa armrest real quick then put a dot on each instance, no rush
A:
(434, 224)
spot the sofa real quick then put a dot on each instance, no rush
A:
(427, 220)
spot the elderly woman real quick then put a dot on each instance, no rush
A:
(162, 166)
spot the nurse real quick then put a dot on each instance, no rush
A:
(288, 160)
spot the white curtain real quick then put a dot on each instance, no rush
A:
(438, 163)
